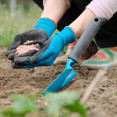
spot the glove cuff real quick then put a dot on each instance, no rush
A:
(68, 35)
(47, 25)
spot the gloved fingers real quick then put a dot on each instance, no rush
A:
(25, 54)
(41, 55)
(11, 56)
(20, 52)
(46, 62)
(15, 66)
(22, 60)
(10, 51)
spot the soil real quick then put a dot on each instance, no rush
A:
(102, 101)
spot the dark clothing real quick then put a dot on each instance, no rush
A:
(107, 35)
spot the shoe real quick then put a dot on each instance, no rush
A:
(105, 57)
(92, 49)
(63, 59)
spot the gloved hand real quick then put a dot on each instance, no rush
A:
(34, 35)
(46, 57)
(40, 33)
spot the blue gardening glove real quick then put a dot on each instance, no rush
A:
(56, 44)
(47, 25)
(44, 28)
(40, 33)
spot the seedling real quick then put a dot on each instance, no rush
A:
(113, 93)
(21, 106)
(64, 101)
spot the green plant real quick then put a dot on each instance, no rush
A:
(64, 101)
(60, 104)
(113, 93)
(21, 106)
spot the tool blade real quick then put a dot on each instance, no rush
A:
(57, 83)
(69, 78)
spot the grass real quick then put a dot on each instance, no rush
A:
(11, 26)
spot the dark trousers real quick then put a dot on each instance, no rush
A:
(107, 35)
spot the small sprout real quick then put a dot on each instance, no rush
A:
(113, 93)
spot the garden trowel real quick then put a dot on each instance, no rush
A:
(68, 74)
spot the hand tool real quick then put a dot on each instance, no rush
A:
(68, 74)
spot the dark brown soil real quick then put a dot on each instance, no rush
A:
(102, 102)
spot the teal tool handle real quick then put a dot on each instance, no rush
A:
(86, 38)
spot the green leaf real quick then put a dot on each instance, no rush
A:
(52, 109)
(21, 106)
(8, 112)
(62, 97)
(66, 100)
(77, 108)
(57, 100)
(35, 96)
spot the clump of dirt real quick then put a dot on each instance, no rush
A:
(102, 102)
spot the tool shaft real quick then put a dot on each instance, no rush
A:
(86, 38)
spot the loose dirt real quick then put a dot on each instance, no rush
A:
(102, 102)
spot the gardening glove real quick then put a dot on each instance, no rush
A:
(40, 33)
(47, 57)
